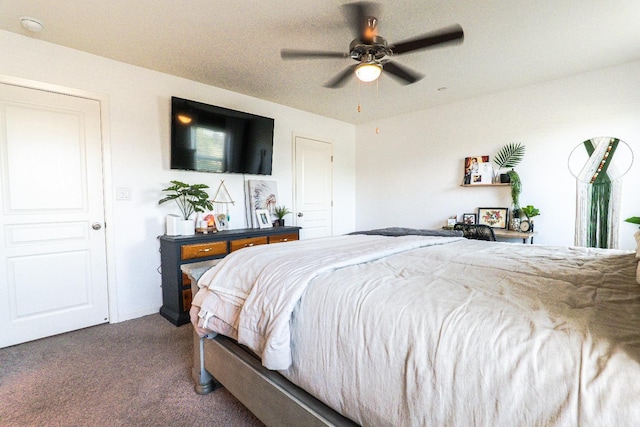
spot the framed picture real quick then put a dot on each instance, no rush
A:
(477, 170)
(261, 194)
(221, 221)
(264, 218)
(469, 218)
(494, 217)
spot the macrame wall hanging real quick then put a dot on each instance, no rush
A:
(598, 164)
(222, 199)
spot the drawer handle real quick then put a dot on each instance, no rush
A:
(285, 240)
(248, 245)
(205, 250)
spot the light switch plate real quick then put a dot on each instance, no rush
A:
(123, 193)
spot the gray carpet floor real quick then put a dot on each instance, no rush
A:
(133, 373)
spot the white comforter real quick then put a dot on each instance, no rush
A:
(251, 294)
(467, 333)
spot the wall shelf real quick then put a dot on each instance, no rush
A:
(486, 185)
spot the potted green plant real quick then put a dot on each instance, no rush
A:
(280, 212)
(530, 212)
(509, 156)
(190, 198)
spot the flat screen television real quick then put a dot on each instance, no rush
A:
(207, 138)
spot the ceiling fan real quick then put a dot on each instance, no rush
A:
(372, 52)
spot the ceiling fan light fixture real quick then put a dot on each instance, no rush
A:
(368, 72)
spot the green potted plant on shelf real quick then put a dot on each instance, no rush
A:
(280, 212)
(509, 156)
(190, 198)
(530, 212)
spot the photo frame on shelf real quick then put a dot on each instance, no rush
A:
(477, 170)
(264, 218)
(469, 218)
(221, 221)
(493, 217)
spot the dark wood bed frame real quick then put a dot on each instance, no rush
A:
(220, 361)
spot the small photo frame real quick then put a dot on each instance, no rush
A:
(494, 217)
(469, 218)
(221, 221)
(264, 218)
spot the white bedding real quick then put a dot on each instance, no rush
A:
(471, 333)
(251, 294)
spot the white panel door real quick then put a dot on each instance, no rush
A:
(313, 187)
(53, 275)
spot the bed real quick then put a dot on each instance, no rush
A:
(407, 328)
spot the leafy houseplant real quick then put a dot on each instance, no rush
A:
(530, 211)
(516, 189)
(190, 198)
(509, 156)
(280, 212)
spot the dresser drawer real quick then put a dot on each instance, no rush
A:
(245, 243)
(202, 250)
(283, 238)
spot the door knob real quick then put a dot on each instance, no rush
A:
(300, 214)
(96, 226)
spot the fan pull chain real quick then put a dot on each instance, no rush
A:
(359, 109)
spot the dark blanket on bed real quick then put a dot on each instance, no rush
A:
(402, 231)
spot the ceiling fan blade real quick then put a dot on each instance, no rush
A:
(402, 73)
(310, 54)
(341, 79)
(357, 15)
(449, 35)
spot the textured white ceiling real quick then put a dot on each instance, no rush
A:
(236, 45)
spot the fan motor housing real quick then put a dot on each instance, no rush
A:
(377, 50)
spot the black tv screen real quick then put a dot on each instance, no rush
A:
(207, 138)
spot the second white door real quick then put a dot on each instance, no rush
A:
(313, 187)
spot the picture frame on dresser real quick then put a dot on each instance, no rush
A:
(221, 221)
(494, 217)
(264, 218)
(469, 218)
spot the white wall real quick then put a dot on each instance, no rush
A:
(410, 173)
(139, 129)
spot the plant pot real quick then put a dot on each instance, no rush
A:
(278, 223)
(505, 178)
(187, 227)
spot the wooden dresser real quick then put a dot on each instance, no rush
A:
(178, 250)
